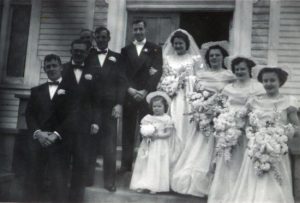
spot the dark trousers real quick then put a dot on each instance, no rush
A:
(94, 150)
(109, 144)
(77, 156)
(50, 161)
(132, 112)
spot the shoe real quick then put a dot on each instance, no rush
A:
(111, 188)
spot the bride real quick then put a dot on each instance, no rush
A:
(182, 61)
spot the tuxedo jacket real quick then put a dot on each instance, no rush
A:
(40, 110)
(79, 107)
(109, 79)
(137, 67)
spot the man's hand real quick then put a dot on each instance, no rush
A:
(117, 111)
(132, 91)
(152, 71)
(94, 129)
(43, 138)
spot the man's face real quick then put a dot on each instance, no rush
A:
(102, 39)
(53, 69)
(87, 36)
(139, 31)
(79, 53)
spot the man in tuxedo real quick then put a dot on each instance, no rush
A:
(87, 36)
(143, 60)
(109, 80)
(46, 147)
(80, 116)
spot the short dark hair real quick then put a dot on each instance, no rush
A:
(139, 21)
(159, 98)
(181, 35)
(102, 28)
(79, 41)
(281, 74)
(51, 57)
(223, 51)
(250, 64)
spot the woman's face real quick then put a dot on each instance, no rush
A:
(179, 46)
(215, 58)
(271, 83)
(241, 71)
(158, 108)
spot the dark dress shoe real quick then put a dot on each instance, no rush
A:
(111, 188)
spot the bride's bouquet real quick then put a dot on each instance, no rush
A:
(267, 142)
(172, 81)
(205, 105)
(229, 127)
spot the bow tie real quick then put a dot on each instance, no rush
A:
(53, 83)
(77, 66)
(104, 51)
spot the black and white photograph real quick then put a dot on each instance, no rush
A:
(150, 101)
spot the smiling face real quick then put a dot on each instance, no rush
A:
(139, 31)
(179, 46)
(53, 69)
(158, 108)
(215, 58)
(271, 83)
(241, 71)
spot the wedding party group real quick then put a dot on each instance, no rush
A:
(211, 125)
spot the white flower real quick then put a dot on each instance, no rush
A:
(88, 76)
(61, 92)
(112, 58)
(206, 94)
(147, 129)
(145, 50)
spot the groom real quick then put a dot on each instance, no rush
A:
(143, 67)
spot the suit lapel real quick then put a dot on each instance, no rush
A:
(107, 64)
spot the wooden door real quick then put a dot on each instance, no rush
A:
(159, 25)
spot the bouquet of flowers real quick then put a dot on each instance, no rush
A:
(148, 131)
(172, 81)
(267, 142)
(229, 127)
(206, 105)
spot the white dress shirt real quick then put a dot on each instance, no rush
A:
(139, 45)
(77, 72)
(53, 88)
(102, 57)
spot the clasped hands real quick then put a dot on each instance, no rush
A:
(138, 95)
(46, 138)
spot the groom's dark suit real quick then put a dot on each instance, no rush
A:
(109, 81)
(138, 77)
(40, 116)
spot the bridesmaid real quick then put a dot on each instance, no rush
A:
(273, 183)
(237, 92)
(191, 173)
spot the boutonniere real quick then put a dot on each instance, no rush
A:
(61, 92)
(88, 76)
(112, 58)
(146, 50)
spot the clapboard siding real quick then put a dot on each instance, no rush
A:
(100, 17)
(289, 44)
(260, 31)
(61, 22)
(8, 108)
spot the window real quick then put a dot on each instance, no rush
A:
(14, 40)
(18, 40)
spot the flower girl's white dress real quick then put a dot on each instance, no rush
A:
(152, 165)
(226, 172)
(251, 188)
(190, 174)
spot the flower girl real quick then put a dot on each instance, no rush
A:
(152, 166)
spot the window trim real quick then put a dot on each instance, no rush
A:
(32, 63)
